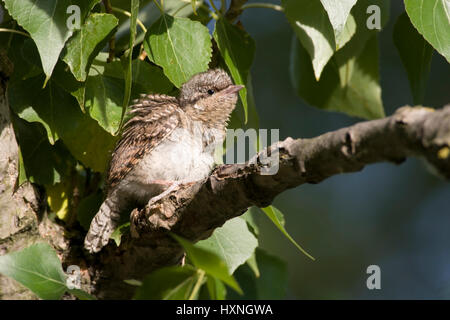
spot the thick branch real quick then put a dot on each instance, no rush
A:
(195, 211)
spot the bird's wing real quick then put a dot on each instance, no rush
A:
(154, 118)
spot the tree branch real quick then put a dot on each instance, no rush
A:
(194, 211)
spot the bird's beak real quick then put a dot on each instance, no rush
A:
(232, 89)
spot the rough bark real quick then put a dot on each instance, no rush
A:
(195, 211)
(22, 218)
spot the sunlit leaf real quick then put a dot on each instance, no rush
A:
(209, 262)
(58, 199)
(359, 95)
(182, 47)
(46, 22)
(345, 57)
(84, 46)
(117, 234)
(338, 12)
(313, 28)
(104, 88)
(277, 218)
(432, 19)
(169, 283)
(237, 49)
(38, 268)
(59, 112)
(232, 242)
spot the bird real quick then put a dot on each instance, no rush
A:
(166, 142)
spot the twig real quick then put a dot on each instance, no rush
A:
(15, 31)
(263, 5)
(128, 14)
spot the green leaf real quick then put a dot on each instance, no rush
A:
(237, 49)
(416, 55)
(86, 43)
(59, 112)
(250, 217)
(104, 95)
(45, 21)
(432, 19)
(88, 207)
(38, 268)
(338, 12)
(117, 234)
(232, 242)
(216, 289)
(273, 281)
(40, 107)
(359, 95)
(313, 28)
(251, 262)
(277, 218)
(347, 32)
(209, 262)
(271, 284)
(146, 78)
(345, 57)
(42, 163)
(169, 283)
(25, 59)
(22, 171)
(127, 60)
(180, 46)
(149, 13)
(58, 199)
(82, 295)
(104, 88)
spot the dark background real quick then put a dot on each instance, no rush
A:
(397, 217)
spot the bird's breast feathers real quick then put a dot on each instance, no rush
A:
(187, 154)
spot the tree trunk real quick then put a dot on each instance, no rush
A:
(22, 218)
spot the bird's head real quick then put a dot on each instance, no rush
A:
(209, 97)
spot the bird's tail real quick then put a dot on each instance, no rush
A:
(102, 226)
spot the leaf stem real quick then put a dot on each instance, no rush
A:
(181, 8)
(160, 7)
(128, 14)
(15, 31)
(214, 6)
(201, 275)
(275, 7)
(223, 6)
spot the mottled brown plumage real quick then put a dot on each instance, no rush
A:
(167, 141)
(154, 118)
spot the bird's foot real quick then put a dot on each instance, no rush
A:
(171, 186)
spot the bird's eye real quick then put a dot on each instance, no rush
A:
(210, 92)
